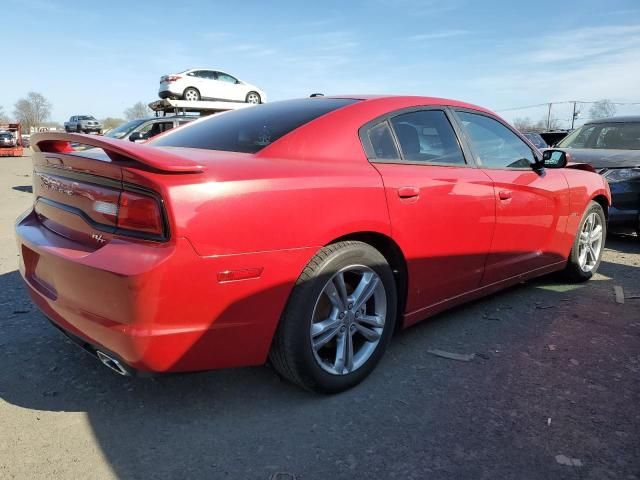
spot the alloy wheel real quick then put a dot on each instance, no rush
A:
(253, 98)
(348, 320)
(191, 95)
(590, 242)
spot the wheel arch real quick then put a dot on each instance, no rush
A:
(192, 88)
(394, 256)
(604, 203)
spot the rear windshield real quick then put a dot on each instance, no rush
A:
(250, 129)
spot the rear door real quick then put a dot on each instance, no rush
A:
(198, 79)
(532, 204)
(441, 206)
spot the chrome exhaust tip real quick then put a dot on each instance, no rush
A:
(111, 363)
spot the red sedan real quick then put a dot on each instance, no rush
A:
(304, 232)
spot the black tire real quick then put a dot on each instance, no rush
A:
(573, 271)
(78, 129)
(190, 91)
(292, 354)
(253, 95)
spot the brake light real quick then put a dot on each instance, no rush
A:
(173, 78)
(140, 213)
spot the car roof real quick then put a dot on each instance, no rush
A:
(406, 100)
(621, 119)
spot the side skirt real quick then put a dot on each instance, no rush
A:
(423, 313)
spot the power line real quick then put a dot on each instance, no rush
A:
(565, 102)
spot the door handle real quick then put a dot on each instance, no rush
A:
(504, 194)
(408, 192)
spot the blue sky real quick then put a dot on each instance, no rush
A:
(101, 57)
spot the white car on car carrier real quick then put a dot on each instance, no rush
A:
(203, 84)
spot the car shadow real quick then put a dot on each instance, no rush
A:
(418, 413)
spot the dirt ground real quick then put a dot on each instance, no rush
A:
(553, 392)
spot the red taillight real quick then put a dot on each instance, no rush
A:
(140, 213)
(172, 78)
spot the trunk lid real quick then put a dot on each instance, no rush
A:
(82, 187)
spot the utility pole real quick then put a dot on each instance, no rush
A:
(549, 117)
(574, 115)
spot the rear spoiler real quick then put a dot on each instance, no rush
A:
(117, 150)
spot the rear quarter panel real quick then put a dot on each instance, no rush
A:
(255, 204)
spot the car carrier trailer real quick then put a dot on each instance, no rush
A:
(178, 107)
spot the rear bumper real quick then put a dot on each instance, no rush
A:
(167, 91)
(158, 308)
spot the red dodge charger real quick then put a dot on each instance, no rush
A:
(303, 232)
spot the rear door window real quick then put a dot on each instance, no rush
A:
(427, 136)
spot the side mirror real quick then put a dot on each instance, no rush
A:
(136, 137)
(554, 159)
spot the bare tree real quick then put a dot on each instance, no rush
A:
(3, 116)
(602, 109)
(524, 124)
(111, 122)
(32, 110)
(138, 110)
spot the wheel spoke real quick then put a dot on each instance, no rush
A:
(323, 332)
(369, 333)
(341, 288)
(344, 353)
(596, 234)
(365, 289)
(373, 320)
(325, 338)
(589, 225)
(334, 296)
(582, 258)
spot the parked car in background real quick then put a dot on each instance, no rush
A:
(552, 137)
(536, 139)
(203, 84)
(83, 124)
(7, 139)
(303, 231)
(145, 128)
(11, 140)
(26, 140)
(612, 147)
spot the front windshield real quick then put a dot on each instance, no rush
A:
(122, 130)
(85, 117)
(615, 136)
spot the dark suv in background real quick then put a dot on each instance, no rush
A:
(612, 147)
